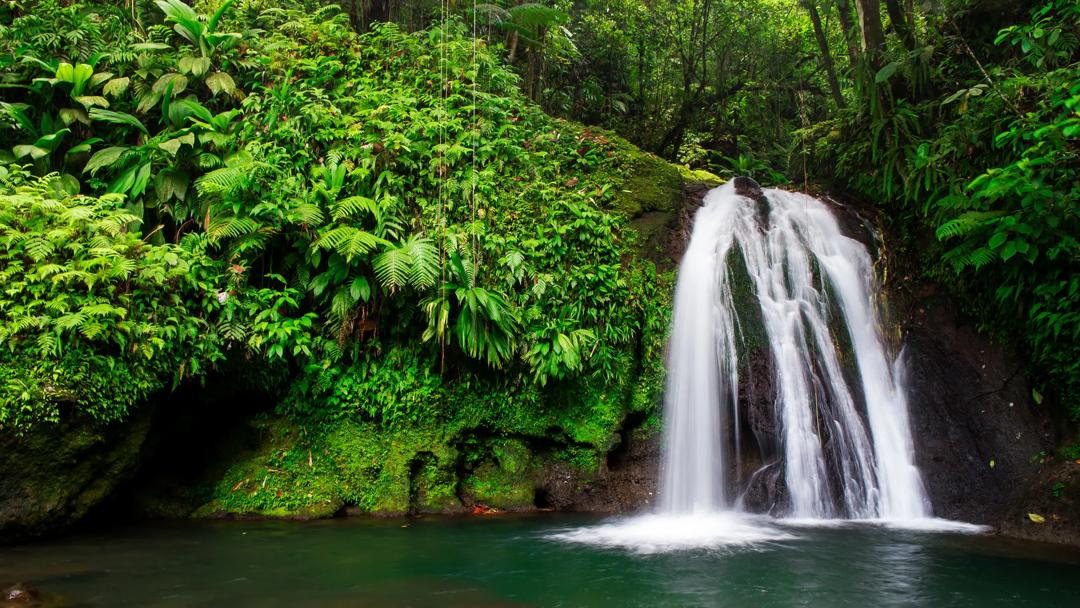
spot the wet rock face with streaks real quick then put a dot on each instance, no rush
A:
(979, 437)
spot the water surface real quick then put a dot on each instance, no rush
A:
(521, 561)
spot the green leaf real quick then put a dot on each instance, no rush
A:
(220, 82)
(116, 86)
(360, 289)
(120, 118)
(886, 72)
(104, 158)
(89, 101)
(33, 152)
(1035, 517)
(70, 116)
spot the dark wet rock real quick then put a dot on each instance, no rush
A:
(52, 476)
(978, 435)
(627, 482)
(746, 186)
(765, 491)
(1048, 509)
(757, 394)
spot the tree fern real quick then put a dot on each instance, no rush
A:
(231, 227)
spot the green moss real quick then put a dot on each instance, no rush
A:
(52, 475)
(699, 176)
(504, 481)
(301, 472)
(747, 308)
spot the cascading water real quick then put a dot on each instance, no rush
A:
(846, 448)
(768, 276)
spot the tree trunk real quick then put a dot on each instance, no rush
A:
(873, 35)
(843, 9)
(512, 46)
(900, 24)
(826, 55)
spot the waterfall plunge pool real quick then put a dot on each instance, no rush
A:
(534, 561)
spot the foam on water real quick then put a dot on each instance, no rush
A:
(921, 524)
(657, 533)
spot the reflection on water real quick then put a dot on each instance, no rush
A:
(523, 561)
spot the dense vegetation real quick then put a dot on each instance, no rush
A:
(369, 208)
(378, 226)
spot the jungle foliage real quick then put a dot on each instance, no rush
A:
(352, 178)
(258, 181)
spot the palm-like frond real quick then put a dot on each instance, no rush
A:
(413, 263)
(349, 241)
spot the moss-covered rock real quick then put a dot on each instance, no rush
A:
(301, 472)
(53, 475)
(650, 184)
(505, 480)
(699, 176)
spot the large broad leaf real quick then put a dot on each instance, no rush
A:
(83, 73)
(220, 82)
(73, 115)
(83, 147)
(89, 101)
(32, 151)
(52, 141)
(123, 183)
(886, 72)
(116, 86)
(104, 158)
(178, 82)
(75, 75)
(141, 179)
(171, 184)
(181, 110)
(132, 182)
(120, 118)
(212, 23)
(172, 146)
(186, 19)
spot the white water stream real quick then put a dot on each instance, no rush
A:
(803, 271)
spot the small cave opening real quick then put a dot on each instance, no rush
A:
(542, 499)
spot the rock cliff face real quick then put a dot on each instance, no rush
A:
(984, 447)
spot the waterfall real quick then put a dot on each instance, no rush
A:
(845, 447)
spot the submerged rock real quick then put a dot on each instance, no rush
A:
(20, 594)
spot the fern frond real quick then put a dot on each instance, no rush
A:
(230, 227)
(348, 241)
(965, 224)
(353, 206)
